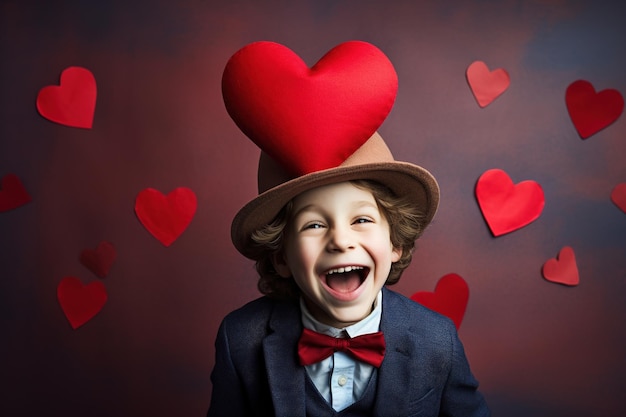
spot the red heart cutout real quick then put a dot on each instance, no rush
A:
(12, 193)
(507, 207)
(450, 298)
(590, 111)
(73, 103)
(486, 85)
(309, 119)
(79, 302)
(618, 196)
(99, 261)
(166, 217)
(562, 270)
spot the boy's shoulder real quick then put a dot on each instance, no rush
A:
(414, 313)
(257, 313)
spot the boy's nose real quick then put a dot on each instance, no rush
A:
(340, 240)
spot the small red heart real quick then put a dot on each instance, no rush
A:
(99, 261)
(618, 196)
(507, 207)
(486, 85)
(73, 102)
(590, 111)
(450, 298)
(562, 270)
(12, 193)
(166, 217)
(309, 119)
(79, 302)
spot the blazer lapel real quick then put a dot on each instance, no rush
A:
(286, 376)
(394, 372)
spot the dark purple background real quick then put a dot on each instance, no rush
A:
(539, 349)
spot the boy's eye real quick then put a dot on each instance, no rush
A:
(313, 226)
(362, 220)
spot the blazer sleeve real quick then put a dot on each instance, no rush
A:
(461, 397)
(239, 377)
(227, 398)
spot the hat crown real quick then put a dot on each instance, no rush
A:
(271, 173)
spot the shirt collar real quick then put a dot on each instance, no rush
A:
(369, 324)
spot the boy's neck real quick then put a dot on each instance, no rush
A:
(367, 324)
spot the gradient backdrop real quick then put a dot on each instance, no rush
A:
(539, 349)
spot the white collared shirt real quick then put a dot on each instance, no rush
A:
(340, 379)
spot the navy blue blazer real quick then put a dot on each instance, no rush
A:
(425, 372)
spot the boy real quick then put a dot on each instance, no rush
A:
(328, 338)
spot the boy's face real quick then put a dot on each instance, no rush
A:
(338, 250)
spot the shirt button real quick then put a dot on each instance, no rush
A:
(342, 380)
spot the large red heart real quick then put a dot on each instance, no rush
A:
(73, 102)
(486, 85)
(450, 298)
(79, 302)
(563, 269)
(590, 111)
(99, 261)
(618, 196)
(507, 206)
(309, 119)
(12, 193)
(166, 216)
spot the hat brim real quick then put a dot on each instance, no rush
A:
(403, 178)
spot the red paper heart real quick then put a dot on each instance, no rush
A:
(12, 193)
(450, 298)
(590, 111)
(73, 103)
(309, 119)
(618, 196)
(562, 270)
(99, 261)
(166, 217)
(486, 85)
(79, 302)
(507, 207)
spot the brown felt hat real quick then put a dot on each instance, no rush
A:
(372, 161)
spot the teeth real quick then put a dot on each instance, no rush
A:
(344, 269)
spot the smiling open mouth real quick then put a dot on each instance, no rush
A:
(346, 279)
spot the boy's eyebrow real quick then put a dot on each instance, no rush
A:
(363, 203)
(308, 207)
(317, 207)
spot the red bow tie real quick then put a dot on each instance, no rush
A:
(314, 347)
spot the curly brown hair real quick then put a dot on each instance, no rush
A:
(406, 224)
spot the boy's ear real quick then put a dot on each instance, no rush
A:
(396, 254)
(280, 265)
